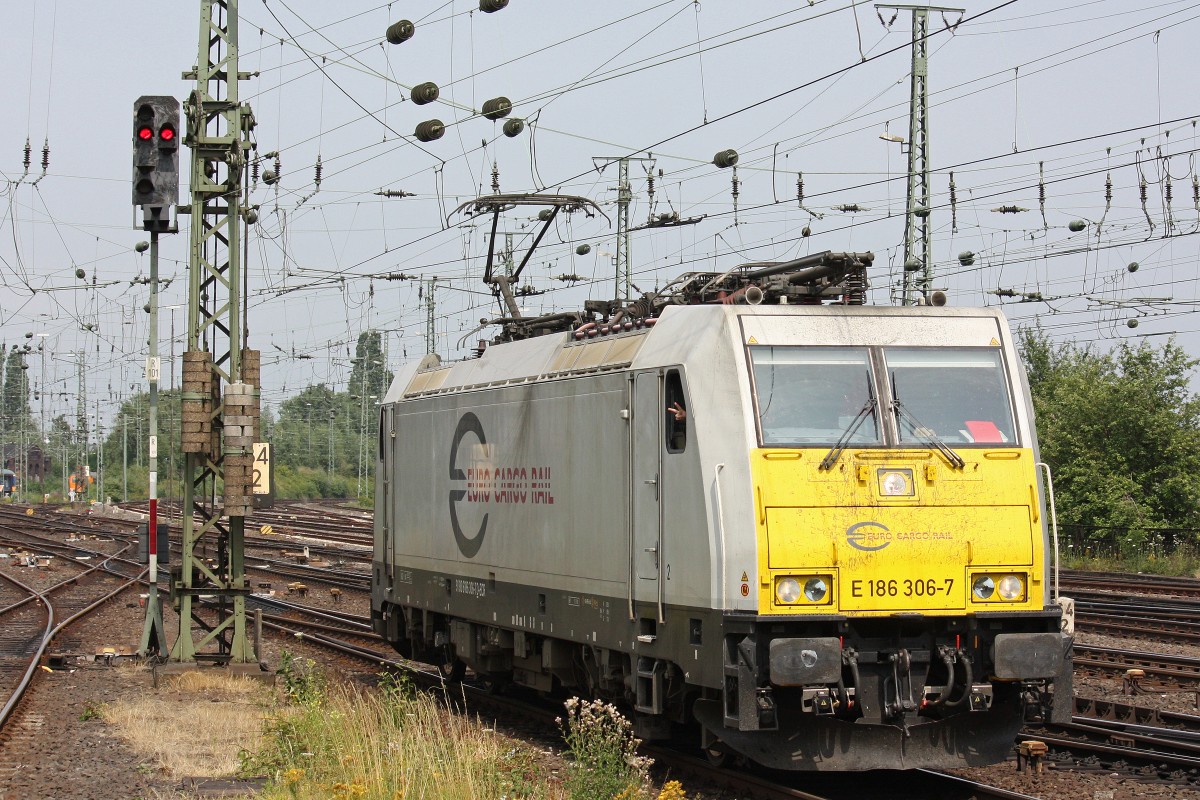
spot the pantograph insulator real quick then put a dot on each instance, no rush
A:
(424, 93)
(400, 32)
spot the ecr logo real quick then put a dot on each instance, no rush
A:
(467, 545)
(868, 536)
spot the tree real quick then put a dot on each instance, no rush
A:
(14, 402)
(370, 377)
(1121, 432)
(130, 438)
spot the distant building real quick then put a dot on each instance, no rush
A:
(38, 461)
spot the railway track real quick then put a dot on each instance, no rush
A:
(72, 539)
(32, 616)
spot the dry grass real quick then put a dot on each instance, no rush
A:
(197, 725)
(356, 745)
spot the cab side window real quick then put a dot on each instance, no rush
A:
(677, 413)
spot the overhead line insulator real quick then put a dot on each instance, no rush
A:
(424, 93)
(497, 108)
(725, 159)
(429, 130)
(400, 32)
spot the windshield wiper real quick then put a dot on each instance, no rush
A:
(925, 435)
(838, 448)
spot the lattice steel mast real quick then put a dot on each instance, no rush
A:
(220, 376)
(917, 225)
(624, 274)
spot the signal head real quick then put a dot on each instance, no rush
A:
(155, 152)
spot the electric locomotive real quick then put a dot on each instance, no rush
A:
(813, 529)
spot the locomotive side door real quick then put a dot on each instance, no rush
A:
(646, 451)
(385, 521)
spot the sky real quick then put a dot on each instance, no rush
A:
(1038, 105)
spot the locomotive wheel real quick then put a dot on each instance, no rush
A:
(718, 756)
(493, 684)
(450, 667)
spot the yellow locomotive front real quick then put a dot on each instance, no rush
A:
(903, 613)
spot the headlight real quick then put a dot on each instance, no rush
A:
(1011, 587)
(983, 587)
(896, 483)
(787, 590)
(815, 589)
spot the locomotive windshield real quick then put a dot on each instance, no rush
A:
(811, 395)
(959, 396)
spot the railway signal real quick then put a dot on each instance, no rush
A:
(155, 189)
(156, 159)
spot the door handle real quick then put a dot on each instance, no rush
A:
(651, 482)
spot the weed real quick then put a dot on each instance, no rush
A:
(518, 775)
(302, 682)
(604, 750)
(672, 790)
(396, 686)
(92, 710)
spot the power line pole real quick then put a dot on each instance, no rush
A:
(430, 329)
(220, 376)
(621, 291)
(918, 207)
(81, 428)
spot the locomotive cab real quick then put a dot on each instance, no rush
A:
(902, 597)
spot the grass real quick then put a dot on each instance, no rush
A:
(348, 743)
(197, 726)
(315, 739)
(1181, 562)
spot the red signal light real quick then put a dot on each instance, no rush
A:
(167, 133)
(145, 133)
